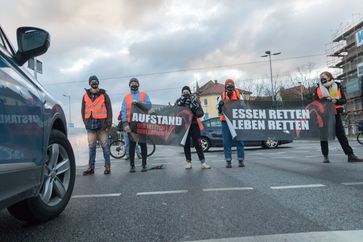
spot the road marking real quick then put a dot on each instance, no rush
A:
(97, 195)
(297, 186)
(323, 236)
(160, 192)
(352, 183)
(227, 189)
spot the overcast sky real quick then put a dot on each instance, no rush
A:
(116, 39)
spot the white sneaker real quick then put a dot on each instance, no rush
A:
(205, 166)
(188, 165)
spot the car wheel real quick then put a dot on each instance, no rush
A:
(58, 183)
(270, 143)
(204, 142)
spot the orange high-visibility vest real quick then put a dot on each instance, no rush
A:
(129, 104)
(96, 109)
(199, 120)
(235, 96)
(320, 96)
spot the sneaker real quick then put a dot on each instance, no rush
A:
(132, 169)
(229, 164)
(326, 159)
(241, 164)
(107, 170)
(354, 158)
(188, 165)
(205, 166)
(127, 158)
(89, 171)
(144, 169)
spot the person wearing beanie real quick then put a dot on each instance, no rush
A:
(329, 90)
(97, 118)
(192, 102)
(133, 98)
(230, 94)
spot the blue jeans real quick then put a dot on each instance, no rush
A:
(127, 145)
(102, 136)
(227, 143)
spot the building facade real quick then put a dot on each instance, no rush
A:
(208, 94)
(347, 56)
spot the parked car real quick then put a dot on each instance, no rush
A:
(211, 136)
(37, 165)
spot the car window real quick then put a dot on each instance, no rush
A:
(206, 124)
(215, 123)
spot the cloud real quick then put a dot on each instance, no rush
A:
(117, 39)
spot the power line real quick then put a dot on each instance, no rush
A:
(194, 69)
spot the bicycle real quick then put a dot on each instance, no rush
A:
(117, 147)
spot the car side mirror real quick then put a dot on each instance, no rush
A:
(32, 42)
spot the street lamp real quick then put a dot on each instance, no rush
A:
(69, 107)
(268, 53)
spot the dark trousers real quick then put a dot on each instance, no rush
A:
(132, 147)
(339, 132)
(194, 133)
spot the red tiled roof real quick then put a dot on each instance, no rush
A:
(293, 92)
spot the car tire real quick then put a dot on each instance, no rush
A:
(205, 143)
(270, 143)
(57, 185)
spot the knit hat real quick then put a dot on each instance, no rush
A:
(229, 82)
(91, 78)
(134, 80)
(186, 88)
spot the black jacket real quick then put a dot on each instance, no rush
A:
(340, 101)
(179, 102)
(107, 122)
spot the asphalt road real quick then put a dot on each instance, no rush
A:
(281, 194)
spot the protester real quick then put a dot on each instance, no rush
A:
(331, 91)
(135, 97)
(97, 118)
(230, 94)
(191, 101)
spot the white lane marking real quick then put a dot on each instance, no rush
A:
(227, 189)
(312, 156)
(352, 183)
(97, 195)
(297, 186)
(324, 236)
(160, 192)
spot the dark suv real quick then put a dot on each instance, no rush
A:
(37, 165)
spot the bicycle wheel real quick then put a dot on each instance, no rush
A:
(360, 138)
(117, 148)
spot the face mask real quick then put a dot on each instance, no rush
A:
(229, 89)
(186, 95)
(328, 84)
(134, 88)
(94, 85)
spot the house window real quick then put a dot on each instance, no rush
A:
(205, 102)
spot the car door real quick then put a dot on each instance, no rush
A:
(21, 131)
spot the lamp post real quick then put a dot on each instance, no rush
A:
(69, 107)
(268, 54)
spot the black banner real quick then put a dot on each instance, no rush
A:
(167, 125)
(288, 121)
